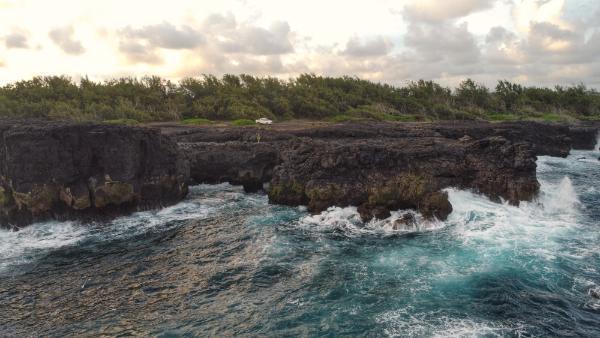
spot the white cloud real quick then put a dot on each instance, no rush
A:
(375, 46)
(539, 42)
(435, 11)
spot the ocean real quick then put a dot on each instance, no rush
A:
(227, 263)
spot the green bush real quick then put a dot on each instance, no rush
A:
(342, 118)
(308, 96)
(502, 117)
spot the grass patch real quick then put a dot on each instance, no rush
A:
(243, 122)
(128, 122)
(502, 117)
(196, 121)
(552, 117)
(374, 117)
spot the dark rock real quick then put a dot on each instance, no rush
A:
(583, 137)
(408, 220)
(377, 212)
(376, 166)
(436, 205)
(244, 163)
(54, 170)
(380, 175)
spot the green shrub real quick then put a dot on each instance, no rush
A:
(243, 122)
(502, 117)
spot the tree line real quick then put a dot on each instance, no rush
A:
(308, 96)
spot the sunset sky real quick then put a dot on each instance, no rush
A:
(531, 41)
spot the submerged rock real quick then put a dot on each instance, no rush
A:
(55, 170)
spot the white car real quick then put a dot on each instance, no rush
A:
(264, 120)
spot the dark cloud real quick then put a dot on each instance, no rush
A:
(165, 35)
(376, 46)
(16, 40)
(63, 37)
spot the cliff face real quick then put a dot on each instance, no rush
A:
(382, 175)
(380, 167)
(52, 170)
(241, 163)
(63, 171)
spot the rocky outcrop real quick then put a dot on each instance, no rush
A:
(381, 175)
(54, 170)
(378, 167)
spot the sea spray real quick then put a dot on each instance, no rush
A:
(348, 221)
(561, 199)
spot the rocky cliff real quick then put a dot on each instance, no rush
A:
(380, 167)
(54, 170)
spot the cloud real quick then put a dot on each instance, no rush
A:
(138, 53)
(376, 46)
(63, 37)
(546, 37)
(233, 37)
(436, 11)
(223, 43)
(165, 35)
(445, 42)
(16, 40)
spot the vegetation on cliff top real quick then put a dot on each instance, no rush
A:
(245, 97)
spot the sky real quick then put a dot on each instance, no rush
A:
(533, 42)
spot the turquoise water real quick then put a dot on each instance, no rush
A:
(228, 263)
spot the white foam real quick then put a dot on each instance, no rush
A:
(20, 246)
(348, 221)
(407, 322)
(30, 243)
(533, 228)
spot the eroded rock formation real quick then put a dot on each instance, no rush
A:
(53, 170)
(379, 167)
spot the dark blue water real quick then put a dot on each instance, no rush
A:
(226, 263)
